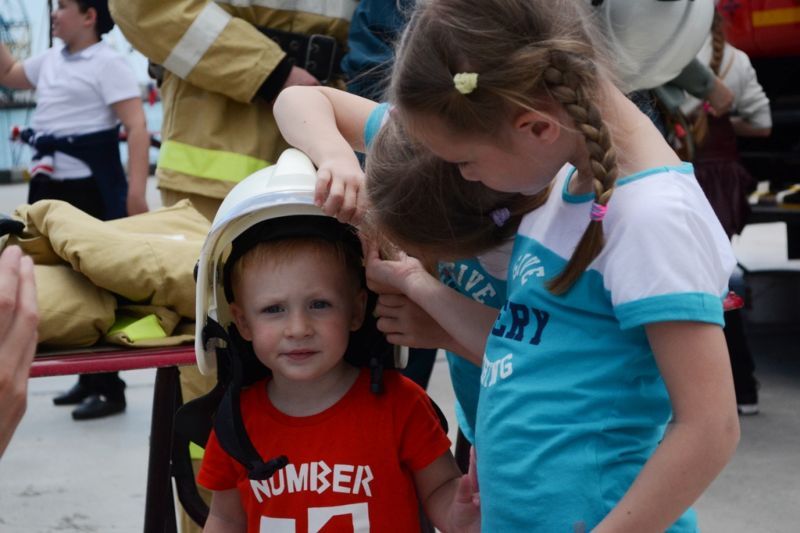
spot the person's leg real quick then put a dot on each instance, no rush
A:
(193, 383)
(205, 205)
(742, 364)
(83, 194)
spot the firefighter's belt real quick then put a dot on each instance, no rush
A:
(319, 54)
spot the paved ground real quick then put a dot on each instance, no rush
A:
(59, 475)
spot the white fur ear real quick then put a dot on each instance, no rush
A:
(241, 322)
(359, 310)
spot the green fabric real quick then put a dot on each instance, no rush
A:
(137, 329)
(205, 163)
(195, 451)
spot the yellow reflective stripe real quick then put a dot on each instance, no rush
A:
(137, 329)
(195, 452)
(776, 17)
(206, 163)
(198, 38)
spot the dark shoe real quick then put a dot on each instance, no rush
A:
(747, 409)
(96, 406)
(73, 396)
(747, 400)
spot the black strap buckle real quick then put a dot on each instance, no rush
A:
(319, 54)
(322, 57)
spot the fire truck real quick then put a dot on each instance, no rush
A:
(769, 32)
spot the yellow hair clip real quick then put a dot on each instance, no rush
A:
(465, 82)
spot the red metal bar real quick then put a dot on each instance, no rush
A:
(110, 360)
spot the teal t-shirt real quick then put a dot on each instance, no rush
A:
(572, 403)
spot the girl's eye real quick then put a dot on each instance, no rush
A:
(320, 304)
(273, 309)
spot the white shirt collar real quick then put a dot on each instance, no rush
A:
(86, 53)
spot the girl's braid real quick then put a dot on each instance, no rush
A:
(717, 43)
(567, 78)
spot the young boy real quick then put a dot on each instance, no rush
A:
(83, 90)
(356, 460)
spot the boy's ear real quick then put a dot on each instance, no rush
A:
(241, 322)
(90, 17)
(359, 310)
(541, 125)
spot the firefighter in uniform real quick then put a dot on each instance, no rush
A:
(223, 63)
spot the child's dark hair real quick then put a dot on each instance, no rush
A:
(420, 200)
(527, 54)
(104, 22)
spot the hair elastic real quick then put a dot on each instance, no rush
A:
(465, 82)
(598, 212)
(500, 216)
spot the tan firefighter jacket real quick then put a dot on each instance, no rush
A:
(129, 281)
(215, 130)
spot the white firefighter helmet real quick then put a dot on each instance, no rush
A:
(283, 189)
(651, 41)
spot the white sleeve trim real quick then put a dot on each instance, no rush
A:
(196, 41)
(342, 9)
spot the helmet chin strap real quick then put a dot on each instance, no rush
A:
(237, 366)
(228, 424)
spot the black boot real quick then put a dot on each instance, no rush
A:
(97, 406)
(108, 398)
(75, 395)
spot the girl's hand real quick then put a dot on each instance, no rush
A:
(340, 189)
(465, 513)
(395, 276)
(407, 324)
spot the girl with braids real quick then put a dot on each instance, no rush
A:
(723, 178)
(613, 314)
(426, 208)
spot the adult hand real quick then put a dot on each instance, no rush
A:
(340, 189)
(18, 322)
(300, 76)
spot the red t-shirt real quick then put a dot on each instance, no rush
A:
(350, 466)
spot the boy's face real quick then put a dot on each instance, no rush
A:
(298, 312)
(69, 22)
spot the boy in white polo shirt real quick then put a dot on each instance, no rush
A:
(83, 91)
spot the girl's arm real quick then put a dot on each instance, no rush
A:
(693, 360)
(468, 322)
(450, 499)
(328, 124)
(226, 514)
(131, 113)
(742, 128)
(12, 74)
(753, 117)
